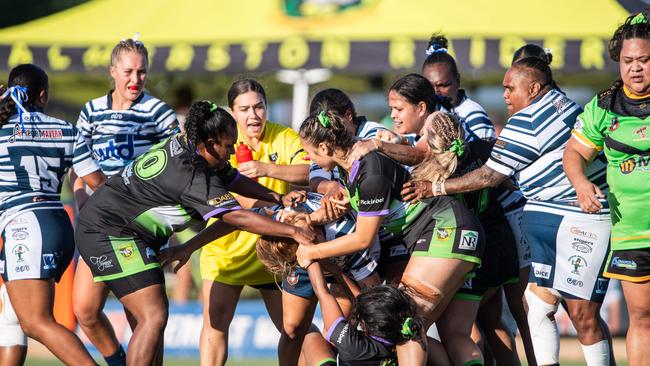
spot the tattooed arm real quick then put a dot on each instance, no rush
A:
(475, 180)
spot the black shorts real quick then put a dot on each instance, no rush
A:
(393, 255)
(499, 265)
(130, 284)
(628, 265)
(446, 229)
(110, 257)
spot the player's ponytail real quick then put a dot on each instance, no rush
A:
(25, 84)
(446, 140)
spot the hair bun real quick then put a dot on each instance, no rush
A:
(437, 43)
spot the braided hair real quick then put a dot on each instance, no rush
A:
(387, 312)
(532, 50)
(446, 140)
(327, 127)
(206, 121)
(29, 76)
(538, 70)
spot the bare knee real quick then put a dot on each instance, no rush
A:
(584, 319)
(34, 327)
(87, 315)
(295, 330)
(639, 316)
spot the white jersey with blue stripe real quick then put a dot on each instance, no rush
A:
(34, 160)
(118, 137)
(530, 149)
(366, 130)
(361, 264)
(474, 118)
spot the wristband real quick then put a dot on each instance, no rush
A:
(438, 188)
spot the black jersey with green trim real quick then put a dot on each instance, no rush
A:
(483, 203)
(356, 348)
(374, 185)
(160, 192)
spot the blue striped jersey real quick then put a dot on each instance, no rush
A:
(360, 264)
(34, 161)
(366, 130)
(474, 118)
(117, 137)
(530, 148)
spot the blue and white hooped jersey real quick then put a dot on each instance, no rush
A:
(530, 148)
(118, 137)
(34, 161)
(366, 130)
(360, 264)
(474, 119)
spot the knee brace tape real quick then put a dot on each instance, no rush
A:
(543, 330)
(425, 296)
(11, 334)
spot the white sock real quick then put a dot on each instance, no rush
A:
(597, 354)
(543, 331)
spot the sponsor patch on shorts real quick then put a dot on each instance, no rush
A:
(468, 240)
(541, 270)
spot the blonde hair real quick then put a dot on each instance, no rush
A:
(441, 130)
(129, 45)
(278, 254)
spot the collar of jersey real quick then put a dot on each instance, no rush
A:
(629, 94)
(109, 99)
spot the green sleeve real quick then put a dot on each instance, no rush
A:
(590, 125)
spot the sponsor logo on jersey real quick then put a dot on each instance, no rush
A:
(500, 143)
(273, 157)
(150, 252)
(292, 278)
(581, 245)
(559, 105)
(468, 240)
(586, 234)
(624, 263)
(127, 250)
(578, 262)
(574, 282)
(19, 250)
(629, 165)
(541, 270)
(344, 331)
(468, 284)
(33, 133)
(116, 150)
(613, 126)
(443, 233)
(49, 261)
(578, 125)
(175, 146)
(642, 133)
(221, 200)
(102, 262)
(19, 233)
(372, 201)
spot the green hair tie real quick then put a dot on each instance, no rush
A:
(323, 119)
(213, 106)
(407, 330)
(457, 147)
(638, 19)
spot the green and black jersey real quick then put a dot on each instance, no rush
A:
(374, 185)
(159, 193)
(618, 123)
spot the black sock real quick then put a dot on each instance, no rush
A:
(117, 359)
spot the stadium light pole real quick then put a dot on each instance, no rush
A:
(301, 79)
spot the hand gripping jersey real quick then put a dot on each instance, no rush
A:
(359, 265)
(118, 137)
(34, 161)
(616, 123)
(530, 149)
(159, 193)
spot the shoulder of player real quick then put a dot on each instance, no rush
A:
(150, 104)
(469, 106)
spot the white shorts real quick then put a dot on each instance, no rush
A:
(37, 244)
(569, 252)
(523, 249)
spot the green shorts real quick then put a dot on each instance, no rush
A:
(446, 229)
